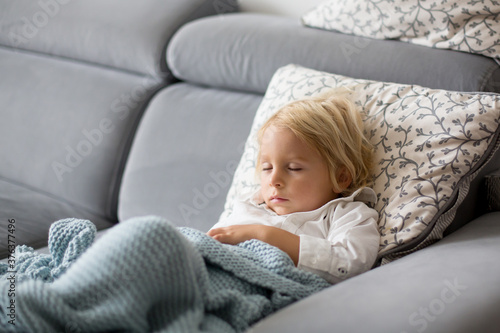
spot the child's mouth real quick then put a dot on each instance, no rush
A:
(277, 199)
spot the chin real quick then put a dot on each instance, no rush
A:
(283, 211)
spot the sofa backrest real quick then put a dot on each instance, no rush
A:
(243, 51)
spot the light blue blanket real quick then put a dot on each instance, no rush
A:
(146, 275)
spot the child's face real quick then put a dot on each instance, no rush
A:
(294, 177)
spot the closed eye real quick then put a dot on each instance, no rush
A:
(294, 169)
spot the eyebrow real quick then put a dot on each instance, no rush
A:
(294, 158)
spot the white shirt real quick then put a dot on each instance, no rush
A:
(337, 241)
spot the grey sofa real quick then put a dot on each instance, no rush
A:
(120, 109)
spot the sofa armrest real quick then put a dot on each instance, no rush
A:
(451, 286)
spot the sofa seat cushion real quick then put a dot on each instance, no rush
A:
(31, 211)
(243, 50)
(429, 145)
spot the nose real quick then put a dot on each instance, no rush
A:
(276, 179)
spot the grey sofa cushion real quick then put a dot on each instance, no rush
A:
(184, 154)
(244, 50)
(33, 210)
(130, 35)
(66, 131)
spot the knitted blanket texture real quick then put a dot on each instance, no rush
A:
(146, 275)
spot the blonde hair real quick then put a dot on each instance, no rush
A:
(331, 125)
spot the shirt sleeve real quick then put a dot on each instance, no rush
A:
(350, 248)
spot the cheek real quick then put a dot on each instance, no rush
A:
(316, 187)
(263, 179)
(305, 187)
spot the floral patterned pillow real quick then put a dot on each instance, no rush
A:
(462, 25)
(428, 146)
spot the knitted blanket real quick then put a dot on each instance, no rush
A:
(146, 275)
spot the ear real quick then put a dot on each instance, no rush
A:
(344, 179)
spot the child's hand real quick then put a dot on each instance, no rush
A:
(280, 238)
(237, 233)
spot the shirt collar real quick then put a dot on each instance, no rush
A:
(365, 194)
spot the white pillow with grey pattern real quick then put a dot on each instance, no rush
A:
(428, 146)
(461, 25)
